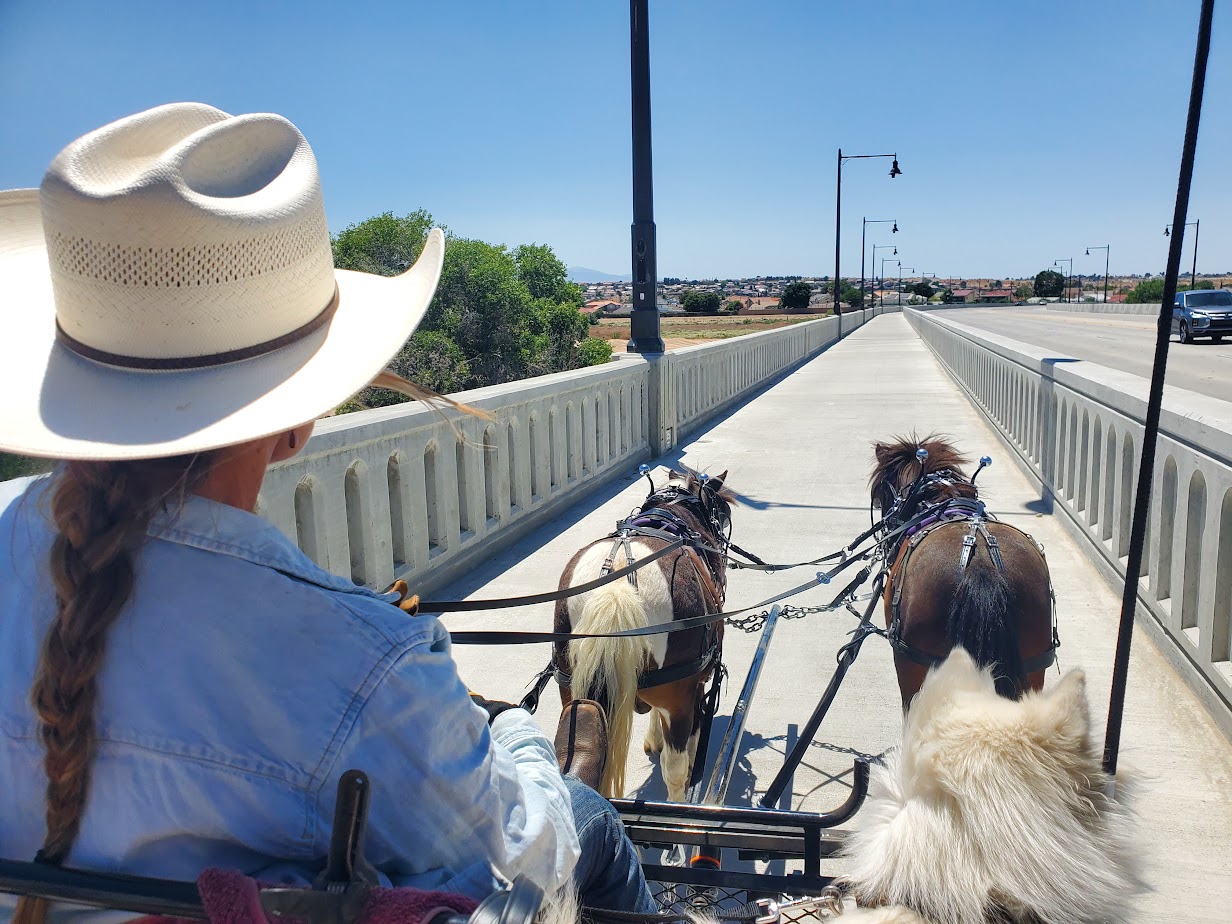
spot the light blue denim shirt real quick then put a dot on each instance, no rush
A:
(239, 683)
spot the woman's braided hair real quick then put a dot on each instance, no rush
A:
(101, 511)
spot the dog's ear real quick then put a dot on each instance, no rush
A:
(1067, 713)
(959, 672)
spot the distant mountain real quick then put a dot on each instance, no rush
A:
(585, 274)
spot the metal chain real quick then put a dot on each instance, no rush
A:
(755, 622)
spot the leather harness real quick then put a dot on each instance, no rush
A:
(656, 521)
(957, 510)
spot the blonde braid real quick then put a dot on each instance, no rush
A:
(101, 511)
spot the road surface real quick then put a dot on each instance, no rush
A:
(1125, 342)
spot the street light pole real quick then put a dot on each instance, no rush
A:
(838, 214)
(864, 223)
(1057, 263)
(644, 336)
(1193, 273)
(1106, 249)
(877, 247)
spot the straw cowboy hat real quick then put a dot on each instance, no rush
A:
(170, 289)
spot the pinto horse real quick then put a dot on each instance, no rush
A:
(661, 674)
(958, 576)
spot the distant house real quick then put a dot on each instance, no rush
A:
(961, 295)
(996, 295)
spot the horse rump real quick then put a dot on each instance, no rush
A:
(983, 619)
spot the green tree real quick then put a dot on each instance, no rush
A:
(922, 289)
(1147, 292)
(595, 352)
(545, 276)
(796, 296)
(698, 302)
(732, 306)
(498, 315)
(385, 245)
(1023, 292)
(1048, 284)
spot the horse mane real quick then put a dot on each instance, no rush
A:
(897, 467)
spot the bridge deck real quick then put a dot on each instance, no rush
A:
(801, 453)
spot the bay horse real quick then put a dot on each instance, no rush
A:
(661, 674)
(958, 577)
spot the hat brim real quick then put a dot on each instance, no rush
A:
(58, 404)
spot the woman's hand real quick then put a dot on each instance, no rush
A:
(493, 707)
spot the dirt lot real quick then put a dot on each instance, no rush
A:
(682, 332)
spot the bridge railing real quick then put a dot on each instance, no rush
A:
(407, 492)
(1076, 428)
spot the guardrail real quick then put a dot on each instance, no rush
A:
(1076, 428)
(405, 492)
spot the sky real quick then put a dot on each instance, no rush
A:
(1026, 132)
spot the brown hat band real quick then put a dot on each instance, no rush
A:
(198, 362)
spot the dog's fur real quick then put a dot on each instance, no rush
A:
(993, 810)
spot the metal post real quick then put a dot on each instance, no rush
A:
(1193, 275)
(863, 225)
(838, 224)
(1107, 254)
(644, 336)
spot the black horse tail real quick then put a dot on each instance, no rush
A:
(983, 619)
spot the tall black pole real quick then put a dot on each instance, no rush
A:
(863, 226)
(1193, 275)
(838, 224)
(644, 334)
(1163, 333)
(1108, 253)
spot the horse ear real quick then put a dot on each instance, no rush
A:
(882, 452)
(717, 481)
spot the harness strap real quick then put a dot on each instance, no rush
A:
(655, 678)
(463, 606)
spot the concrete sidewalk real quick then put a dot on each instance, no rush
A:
(800, 454)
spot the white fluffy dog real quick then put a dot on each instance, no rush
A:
(992, 810)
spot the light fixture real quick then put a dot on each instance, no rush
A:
(1088, 251)
(894, 171)
(1167, 233)
(894, 230)
(895, 254)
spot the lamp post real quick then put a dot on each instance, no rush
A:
(864, 223)
(1193, 274)
(1057, 263)
(1107, 250)
(900, 280)
(838, 213)
(644, 336)
(883, 263)
(877, 247)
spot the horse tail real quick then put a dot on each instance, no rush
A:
(984, 620)
(606, 669)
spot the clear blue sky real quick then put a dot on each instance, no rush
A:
(1025, 131)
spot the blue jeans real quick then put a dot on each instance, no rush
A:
(609, 873)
